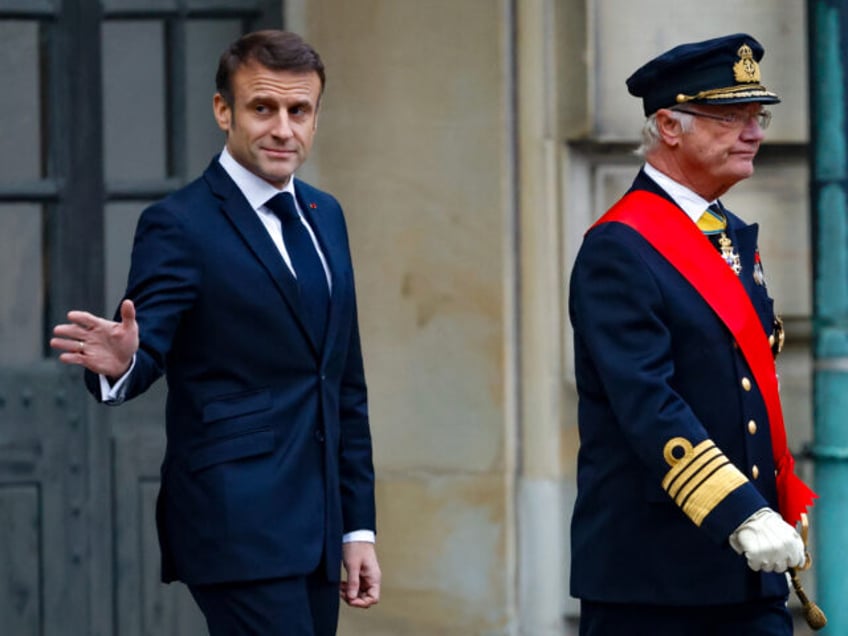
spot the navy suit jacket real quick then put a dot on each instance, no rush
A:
(653, 363)
(268, 458)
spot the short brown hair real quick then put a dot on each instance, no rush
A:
(273, 49)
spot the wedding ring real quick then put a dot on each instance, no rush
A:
(81, 346)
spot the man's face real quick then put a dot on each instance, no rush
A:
(716, 154)
(271, 123)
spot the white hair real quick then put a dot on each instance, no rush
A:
(651, 135)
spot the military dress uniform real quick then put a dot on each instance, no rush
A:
(682, 444)
(656, 369)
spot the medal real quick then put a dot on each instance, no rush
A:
(729, 254)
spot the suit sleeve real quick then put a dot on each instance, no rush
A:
(163, 282)
(356, 469)
(620, 316)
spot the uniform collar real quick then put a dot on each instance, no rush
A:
(691, 203)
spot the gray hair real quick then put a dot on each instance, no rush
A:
(651, 135)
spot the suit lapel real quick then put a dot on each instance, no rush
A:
(248, 226)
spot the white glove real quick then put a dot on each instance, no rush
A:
(768, 542)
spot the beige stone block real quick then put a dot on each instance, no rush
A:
(443, 547)
(629, 34)
(777, 198)
(412, 138)
(794, 368)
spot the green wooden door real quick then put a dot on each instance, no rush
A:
(105, 107)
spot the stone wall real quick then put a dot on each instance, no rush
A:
(471, 143)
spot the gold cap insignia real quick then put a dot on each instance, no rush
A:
(746, 69)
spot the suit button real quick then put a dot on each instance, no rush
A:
(319, 435)
(746, 384)
(752, 427)
(755, 471)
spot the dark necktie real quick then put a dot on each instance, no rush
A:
(309, 271)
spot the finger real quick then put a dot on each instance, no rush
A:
(797, 557)
(127, 311)
(72, 333)
(72, 358)
(70, 345)
(755, 563)
(366, 599)
(355, 601)
(373, 594)
(84, 319)
(353, 583)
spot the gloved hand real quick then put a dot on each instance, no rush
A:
(768, 542)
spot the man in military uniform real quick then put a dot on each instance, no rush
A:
(687, 497)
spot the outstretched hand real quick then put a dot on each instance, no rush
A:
(103, 346)
(362, 587)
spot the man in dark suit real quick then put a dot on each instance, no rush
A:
(687, 499)
(241, 292)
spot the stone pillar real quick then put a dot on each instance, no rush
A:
(415, 139)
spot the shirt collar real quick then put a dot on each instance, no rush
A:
(254, 188)
(691, 203)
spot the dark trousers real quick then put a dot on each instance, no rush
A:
(296, 606)
(762, 618)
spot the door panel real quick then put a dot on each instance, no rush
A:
(43, 542)
(21, 279)
(134, 110)
(20, 599)
(20, 157)
(204, 42)
(146, 606)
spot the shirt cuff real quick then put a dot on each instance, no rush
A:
(115, 393)
(368, 536)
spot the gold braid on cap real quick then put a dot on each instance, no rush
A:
(747, 90)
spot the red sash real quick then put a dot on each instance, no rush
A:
(682, 244)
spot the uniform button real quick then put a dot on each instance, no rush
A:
(752, 427)
(771, 340)
(746, 384)
(319, 435)
(755, 471)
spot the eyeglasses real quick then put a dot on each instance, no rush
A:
(734, 120)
